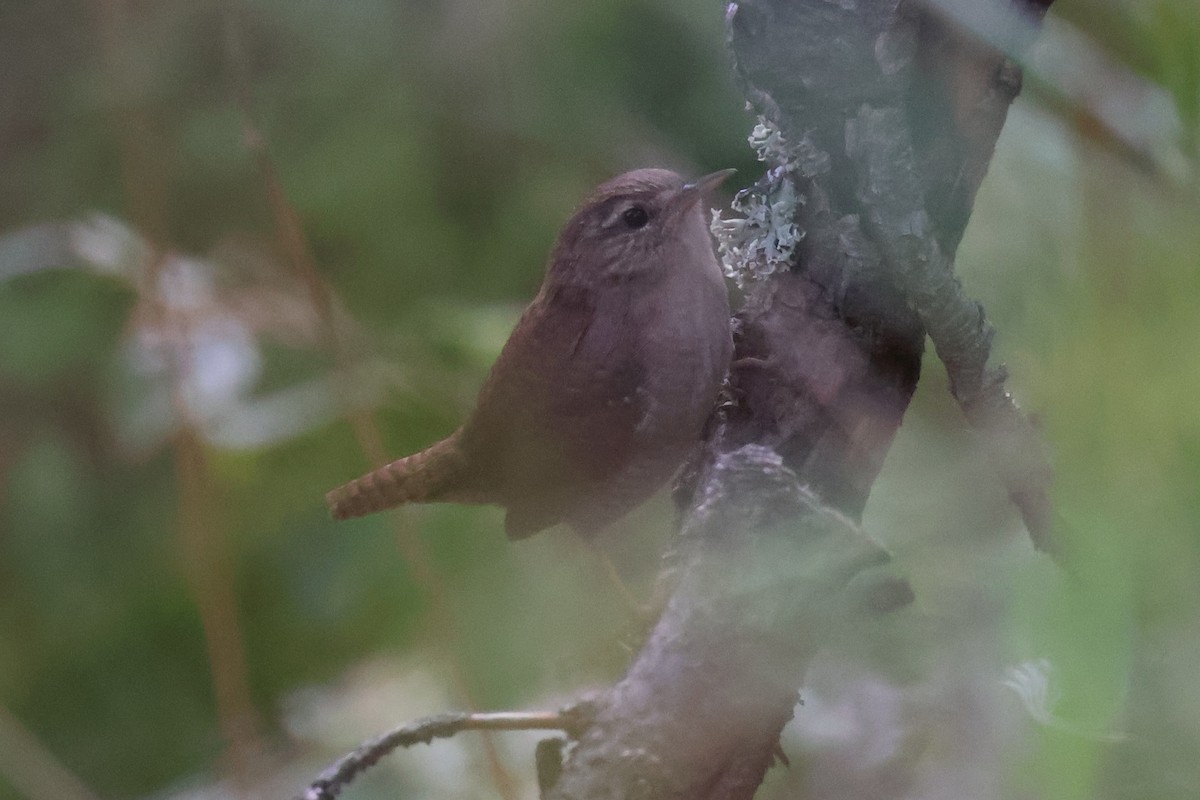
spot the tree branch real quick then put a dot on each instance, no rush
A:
(879, 119)
(765, 574)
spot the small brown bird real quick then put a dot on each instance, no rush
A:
(605, 384)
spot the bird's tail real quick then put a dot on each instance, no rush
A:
(437, 473)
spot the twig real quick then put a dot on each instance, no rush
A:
(330, 783)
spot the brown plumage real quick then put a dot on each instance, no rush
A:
(605, 383)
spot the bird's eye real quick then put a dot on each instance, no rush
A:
(635, 217)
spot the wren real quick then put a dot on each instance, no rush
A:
(605, 383)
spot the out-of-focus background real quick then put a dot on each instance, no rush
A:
(249, 248)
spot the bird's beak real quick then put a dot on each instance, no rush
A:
(693, 192)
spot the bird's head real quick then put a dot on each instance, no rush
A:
(632, 224)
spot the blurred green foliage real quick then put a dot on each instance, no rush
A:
(431, 149)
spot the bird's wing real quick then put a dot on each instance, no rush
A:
(559, 413)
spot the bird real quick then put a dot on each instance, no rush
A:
(606, 382)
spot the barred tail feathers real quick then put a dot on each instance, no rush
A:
(435, 474)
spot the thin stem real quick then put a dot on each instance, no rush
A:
(330, 783)
(202, 541)
(298, 251)
(32, 769)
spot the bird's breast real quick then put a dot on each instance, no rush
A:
(685, 346)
